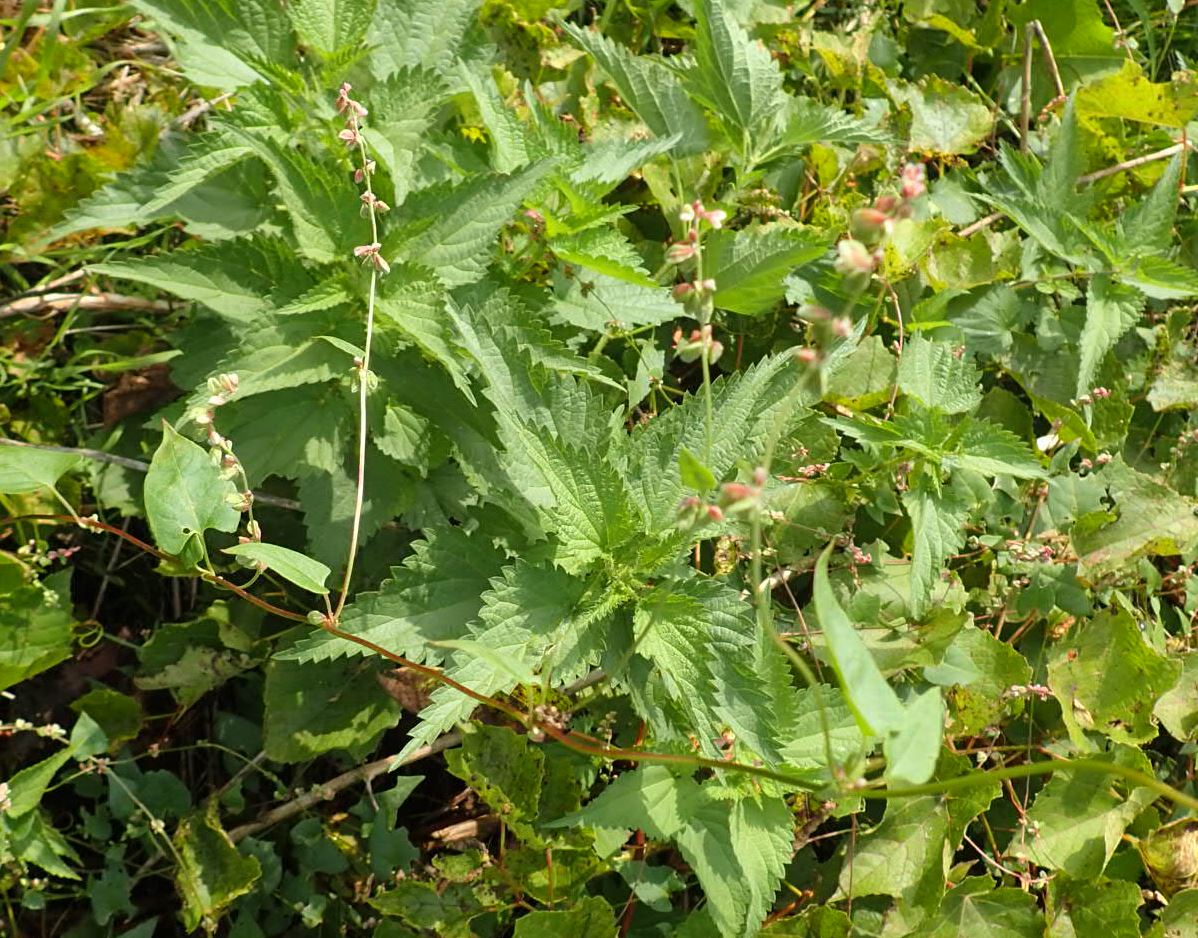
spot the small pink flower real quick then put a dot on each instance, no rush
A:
(913, 181)
(716, 217)
(350, 136)
(853, 257)
(370, 254)
(363, 171)
(677, 253)
(682, 290)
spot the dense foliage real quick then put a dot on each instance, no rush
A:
(494, 467)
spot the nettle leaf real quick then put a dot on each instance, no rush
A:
(412, 33)
(431, 597)
(1111, 309)
(402, 110)
(590, 918)
(1078, 819)
(1108, 679)
(749, 265)
(1103, 906)
(805, 121)
(315, 707)
(186, 495)
(451, 227)
(738, 849)
(329, 25)
(322, 206)
(594, 301)
(735, 76)
(237, 279)
(225, 44)
(1147, 227)
(938, 515)
(649, 87)
(605, 251)
(934, 375)
(988, 448)
(745, 406)
(537, 615)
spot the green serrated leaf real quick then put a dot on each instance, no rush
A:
(211, 873)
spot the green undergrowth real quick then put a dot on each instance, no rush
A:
(507, 469)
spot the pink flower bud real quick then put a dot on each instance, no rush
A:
(736, 492)
(363, 171)
(716, 217)
(682, 289)
(677, 253)
(686, 214)
(760, 476)
(853, 257)
(885, 203)
(706, 286)
(867, 223)
(913, 181)
(714, 513)
(806, 355)
(349, 136)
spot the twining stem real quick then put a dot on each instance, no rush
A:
(598, 749)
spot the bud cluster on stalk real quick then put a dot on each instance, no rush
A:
(221, 389)
(859, 254)
(733, 498)
(698, 292)
(372, 205)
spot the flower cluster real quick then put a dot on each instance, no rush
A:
(859, 254)
(220, 391)
(699, 344)
(689, 248)
(372, 205)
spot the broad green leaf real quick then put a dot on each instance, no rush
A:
(1108, 678)
(937, 532)
(805, 121)
(595, 301)
(864, 379)
(211, 873)
(506, 771)
(1130, 95)
(1148, 225)
(648, 87)
(989, 449)
(225, 44)
(693, 473)
(738, 849)
(1177, 708)
(935, 375)
(412, 33)
(28, 468)
(329, 25)
(1078, 818)
(815, 921)
(977, 909)
(25, 788)
(1152, 520)
(735, 76)
(291, 565)
(947, 119)
(872, 700)
(1107, 907)
(591, 918)
(186, 494)
(451, 227)
(750, 264)
(315, 707)
(1111, 309)
(913, 747)
(997, 666)
(430, 597)
(604, 251)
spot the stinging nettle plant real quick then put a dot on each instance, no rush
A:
(690, 490)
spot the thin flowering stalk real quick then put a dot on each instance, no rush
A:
(369, 253)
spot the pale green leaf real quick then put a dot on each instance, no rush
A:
(291, 565)
(329, 25)
(1111, 309)
(210, 873)
(185, 493)
(935, 375)
(36, 628)
(937, 531)
(28, 468)
(750, 264)
(977, 909)
(947, 119)
(411, 33)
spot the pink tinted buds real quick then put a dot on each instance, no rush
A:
(363, 171)
(716, 217)
(371, 201)
(700, 341)
(682, 290)
(346, 103)
(853, 257)
(682, 251)
(369, 253)
(350, 137)
(868, 223)
(913, 181)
